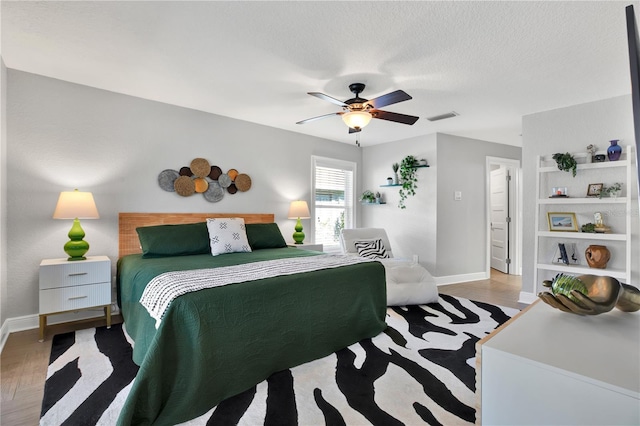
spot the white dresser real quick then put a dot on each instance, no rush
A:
(74, 285)
(548, 367)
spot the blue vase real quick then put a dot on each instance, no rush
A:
(614, 151)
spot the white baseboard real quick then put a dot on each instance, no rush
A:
(527, 298)
(463, 278)
(29, 322)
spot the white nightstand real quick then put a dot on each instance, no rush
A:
(306, 246)
(73, 286)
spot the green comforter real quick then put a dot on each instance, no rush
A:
(216, 343)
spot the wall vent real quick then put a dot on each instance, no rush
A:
(443, 116)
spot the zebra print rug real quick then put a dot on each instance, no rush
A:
(421, 370)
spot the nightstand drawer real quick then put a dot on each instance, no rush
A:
(56, 274)
(71, 298)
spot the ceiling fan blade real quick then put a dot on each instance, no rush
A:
(352, 130)
(389, 99)
(319, 117)
(394, 116)
(327, 98)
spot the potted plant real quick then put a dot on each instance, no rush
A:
(368, 197)
(566, 162)
(389, 180)
(611, 191)
(395, 167)
(409, 178)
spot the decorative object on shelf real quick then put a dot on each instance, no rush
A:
(590, 294)
(597, 256)
(566, 254)
(299, 210)
(562, 221)
(389, 181)
(599, 158)
(395, 167)
(566, 162)
(422, 162)
(594, 189)
(202, 178)
(368, 197)
(611, 191)
(409, 179)
(588, 228)
(378, 198)
(599, 226)
(614, 151)
(591, 151)
(76, 205)
(559, 191)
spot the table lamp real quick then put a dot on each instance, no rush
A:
(76, 205)
(299, 210)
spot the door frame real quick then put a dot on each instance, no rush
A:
(515, 207)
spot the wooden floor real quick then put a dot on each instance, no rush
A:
(24, 360)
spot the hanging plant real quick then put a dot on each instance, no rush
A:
(566, 162)
(408, 178)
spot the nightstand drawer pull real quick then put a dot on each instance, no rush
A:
(78, 273)
(78, 297)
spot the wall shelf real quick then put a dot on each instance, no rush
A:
(395, 184)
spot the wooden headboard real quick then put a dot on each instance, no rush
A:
(128, 242)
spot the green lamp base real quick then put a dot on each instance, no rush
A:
(298, 236)
(77, 247)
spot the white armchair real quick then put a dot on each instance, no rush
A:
(408, 283)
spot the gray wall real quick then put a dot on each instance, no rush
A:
(448, 236)
(462, 225)
(571, 129)
(3, 192)
(62, 136)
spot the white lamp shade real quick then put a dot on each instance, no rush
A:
(356, 119)
(76, 205)
(299, 210)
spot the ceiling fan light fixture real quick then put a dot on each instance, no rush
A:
(356, 119)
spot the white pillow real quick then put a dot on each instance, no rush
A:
(372, 249)
(227, 235)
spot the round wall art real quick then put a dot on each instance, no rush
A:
(203, 178)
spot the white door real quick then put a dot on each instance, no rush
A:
(499, 187)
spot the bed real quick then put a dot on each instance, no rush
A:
(216, 342)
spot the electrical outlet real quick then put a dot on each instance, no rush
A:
(457, 195)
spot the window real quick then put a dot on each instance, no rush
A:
(333, 200)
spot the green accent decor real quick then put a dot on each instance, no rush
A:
(298, 236)
(76, 247)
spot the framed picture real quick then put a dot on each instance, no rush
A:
(562, 222)
(594, 189)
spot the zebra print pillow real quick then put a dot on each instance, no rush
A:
(372, 249)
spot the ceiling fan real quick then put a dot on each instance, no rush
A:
(358, 112)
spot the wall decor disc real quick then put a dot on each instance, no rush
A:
(200, 167)
(166, 178)
(184, 186)
(224, 180)
(201, 185)
(243, 182)
(232, 174)
(215, 172)
(214, 193)
(185, 171)
(232, 189)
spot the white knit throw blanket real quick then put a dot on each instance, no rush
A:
(162, 289)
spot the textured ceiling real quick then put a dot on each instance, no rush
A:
(491, 62)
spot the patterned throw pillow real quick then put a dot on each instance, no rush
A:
(227, 235)
(372, 249)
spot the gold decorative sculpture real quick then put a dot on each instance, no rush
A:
(602, 294)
